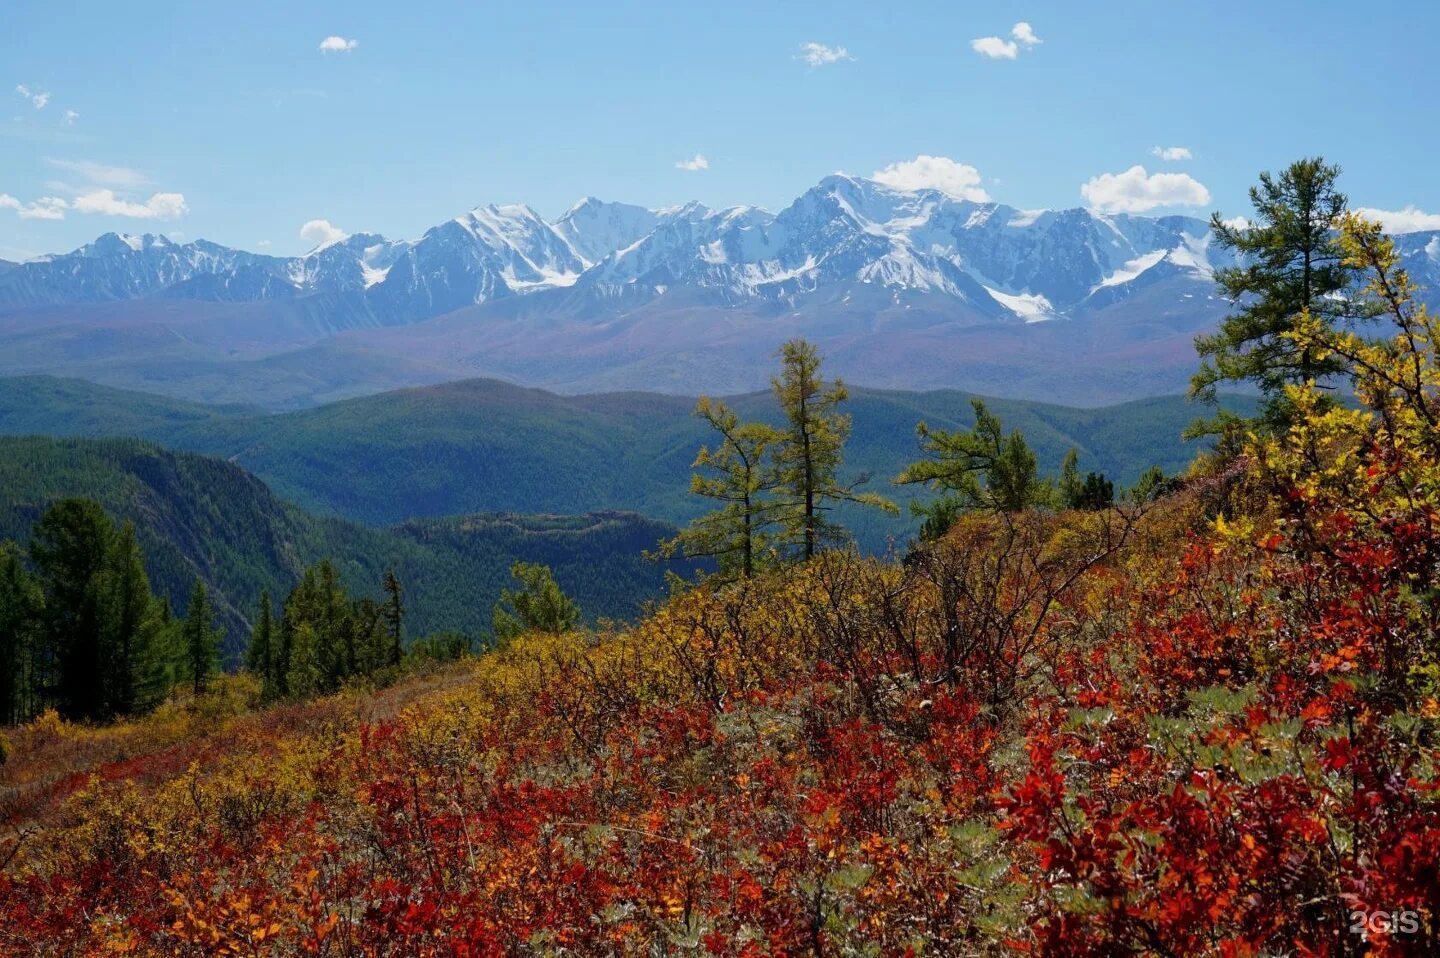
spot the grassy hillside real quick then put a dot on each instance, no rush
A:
(197, 515)
(483, 445)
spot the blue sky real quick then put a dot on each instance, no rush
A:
(229, 122)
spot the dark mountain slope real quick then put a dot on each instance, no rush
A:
(201, 516)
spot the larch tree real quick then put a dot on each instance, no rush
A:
(979, 468)
(735, 474)
(537, 606)
(1290, 262)
(810, 450)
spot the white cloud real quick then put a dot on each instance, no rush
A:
(1135, 191)
(37, 99)
(995, 48)
(934, 173)
(820, 55)
(998, 48)
(101, 173)
(695, 164)
(45, 208)
(1023, 33)
(334, 44)
(160, 206)
(1172, 153)
(1237, 222)
(263, 243)
(1408, 220)
(70, 117)
(322, 232)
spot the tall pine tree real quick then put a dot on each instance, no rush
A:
(134, 672)
(69, 546)
(201, 641)
(1290, 262)
(260, 655)
(393, 613)
(20, 607)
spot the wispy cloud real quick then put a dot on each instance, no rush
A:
(820, 55)
(1135, 191)
(39, 100)
(1172, 153)
(1022, 35)
(695, 164)
(101, 173)
(70, 117)
(333, 44)
(925, 172)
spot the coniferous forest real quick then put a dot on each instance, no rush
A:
(1188, 712)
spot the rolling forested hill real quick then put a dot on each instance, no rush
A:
(201, 516)
(483, 445)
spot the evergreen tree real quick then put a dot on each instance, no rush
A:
(69, 545)
(1291, 262)
(979, 468)
(366, 621)
(1072, 485)
(133, 667)
(1096, 493)
(394, 614)
(736, 475)
(317, 643)
(260, 655)
(537, 606)
(21, 604)
(202, 642)
(1153, 484)
(1089, 493)
(810, 449)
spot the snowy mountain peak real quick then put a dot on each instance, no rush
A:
(846, 240)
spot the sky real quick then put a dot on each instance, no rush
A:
(273, 126)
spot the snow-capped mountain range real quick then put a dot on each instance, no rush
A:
(903, 288)
(842, 235)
